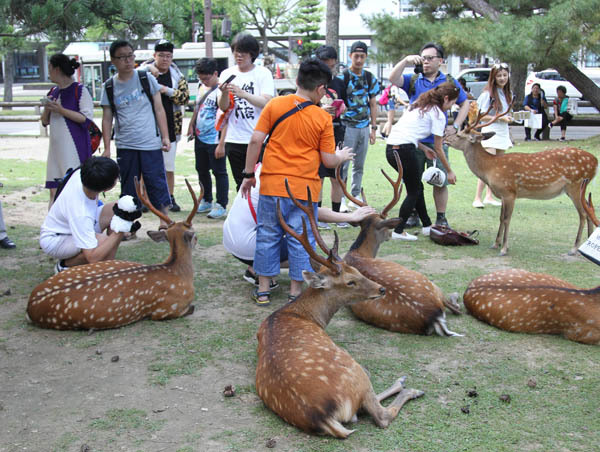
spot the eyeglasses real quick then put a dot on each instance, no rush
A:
(128, 57)
(429, 57)
(500, 66)
(165, 55)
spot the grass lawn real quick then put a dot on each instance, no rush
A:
(61, 390)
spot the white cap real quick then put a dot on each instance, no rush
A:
(434, 176)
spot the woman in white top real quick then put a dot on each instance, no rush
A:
(68, 110)
(424, 117)
(497, 91)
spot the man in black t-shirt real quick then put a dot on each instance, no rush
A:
(329, 102)
(174, 93)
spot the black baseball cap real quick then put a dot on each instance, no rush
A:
(162, 45)
(359, 46)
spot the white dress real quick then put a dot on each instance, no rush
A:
(501, 140)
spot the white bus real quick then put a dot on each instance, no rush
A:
(96, 66)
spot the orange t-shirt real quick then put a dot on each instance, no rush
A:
(293, 152)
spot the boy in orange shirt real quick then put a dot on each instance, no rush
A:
(294, 151)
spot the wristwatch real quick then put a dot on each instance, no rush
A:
(246, 175)
(373, 127)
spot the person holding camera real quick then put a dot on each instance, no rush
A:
(68, 109)
(428, 76)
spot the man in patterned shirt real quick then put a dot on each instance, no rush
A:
(361, 88)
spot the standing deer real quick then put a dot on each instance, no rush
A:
(302, 375)
(111, 294)
(539, 175)
(525, 302)
(412, 303)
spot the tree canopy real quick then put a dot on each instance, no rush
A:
(540, 33)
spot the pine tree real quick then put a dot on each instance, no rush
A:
(307, 25)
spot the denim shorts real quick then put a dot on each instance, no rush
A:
(269, 237)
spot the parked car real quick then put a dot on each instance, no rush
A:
(549, 80)
(476, 79)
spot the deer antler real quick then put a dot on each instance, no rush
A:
(494, 118)
(356, 201)
(587, 205)
(308, 210)
(197, 200)
(397, 186)
(478, 115)
(303, 239)
(140, 189)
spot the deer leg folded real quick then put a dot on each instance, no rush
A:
(383, 416)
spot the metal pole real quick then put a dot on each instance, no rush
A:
(193, 23)
(208, 38)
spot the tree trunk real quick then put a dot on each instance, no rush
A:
(9, 76)
(579, 80)
(332, 25)
(518, 75)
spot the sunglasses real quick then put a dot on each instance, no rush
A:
(500, 66)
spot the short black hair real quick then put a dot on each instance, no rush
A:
(206, 66)
(246, 43)
(99, 173)
(117, 45)
(326, 53)
(67, 66)
(561, 88)
(312, 73)
(432, 45)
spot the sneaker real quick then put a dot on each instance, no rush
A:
(538, 139)
(323, 226)
(478, 204)
(492, 202)
(442, 222)
(204, 207)
(342, 225)
(343, 206)
(352, 206)
(7, 243)
(413, 221)
(218, 211)
(404, 236)
(527, 139)
(174, 206)
(251, 277)
(562, 139)
(426, 231)
(59, 267)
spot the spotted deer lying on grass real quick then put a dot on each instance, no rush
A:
(526, 302)
(412, 303)
(538, 175)
(111, 294)
(302, 375)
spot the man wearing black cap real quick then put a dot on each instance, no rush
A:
(360, 117)
(175, 94)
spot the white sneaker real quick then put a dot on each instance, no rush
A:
(404, 236)
(492, 202)
(343, 206)
(478, 204)
(426, 231)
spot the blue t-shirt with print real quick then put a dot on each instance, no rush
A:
(207, 114)
(423, 84)
(358, 94)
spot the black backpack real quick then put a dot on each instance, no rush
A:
(143, 75)
(63, 181)
(366, 76)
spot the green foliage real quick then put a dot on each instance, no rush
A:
(307, 24)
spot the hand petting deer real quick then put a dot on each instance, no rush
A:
(539, 175)
(525, 302)
(302, 375)
(111, 294)
(412, 303)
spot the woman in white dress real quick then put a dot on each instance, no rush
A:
(68, 110)
(497, 91)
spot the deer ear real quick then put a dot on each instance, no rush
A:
(158, 236)
(316, 280)
(315, 265)
(388, 224)
(188, 236)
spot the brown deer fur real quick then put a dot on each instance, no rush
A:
(302, 375)
(538, 175)
(525, 302)
(111, 294)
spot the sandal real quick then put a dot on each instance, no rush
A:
(266, 297)
(292, 298)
